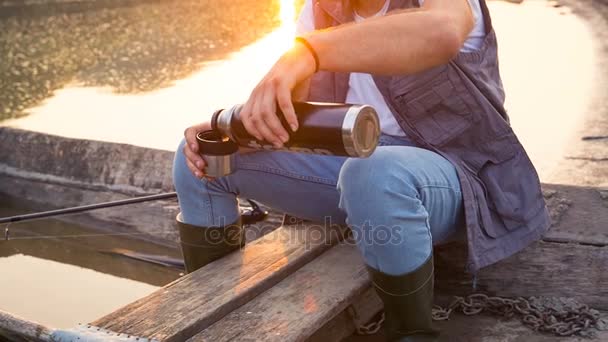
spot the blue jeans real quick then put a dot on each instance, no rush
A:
(399, 202)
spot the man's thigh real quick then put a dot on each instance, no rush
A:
(399, 182)
(301, 185)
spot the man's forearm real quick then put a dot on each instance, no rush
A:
(401, 43)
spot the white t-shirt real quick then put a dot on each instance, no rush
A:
(362, 88)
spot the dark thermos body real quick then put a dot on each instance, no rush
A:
(324, 128)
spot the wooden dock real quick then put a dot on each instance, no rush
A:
(303, 283)
(295, 283)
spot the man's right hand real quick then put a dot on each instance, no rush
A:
(195, 162)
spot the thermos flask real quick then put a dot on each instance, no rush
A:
(324, 129)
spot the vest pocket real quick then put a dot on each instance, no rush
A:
(439, 109)
(513, 189)
(489, 221)
(505, 184)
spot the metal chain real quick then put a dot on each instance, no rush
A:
(370, 328)
(7, 233)
(560, 320)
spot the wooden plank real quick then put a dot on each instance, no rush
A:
(193, 302)
(299, 305)
(360, 312)
(18, 329)
(579, 214)
(532, 272)
(543, 269)
(329, 285)
(537, 271)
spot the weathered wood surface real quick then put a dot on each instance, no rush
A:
(577, 269)
(192, 303)
(570, 261)
(86, 164)
(543, 269)
(17, 329)
(311, 301)
(359, 313)
(486, 328)
(579, 214)
(330, 284)
(298, 306)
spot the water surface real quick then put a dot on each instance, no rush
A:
(61, 274)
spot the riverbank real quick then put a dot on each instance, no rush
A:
(586, 160)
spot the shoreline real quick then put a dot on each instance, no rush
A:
(586, 160)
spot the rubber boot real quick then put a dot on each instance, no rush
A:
(408, 301)
(202, 245)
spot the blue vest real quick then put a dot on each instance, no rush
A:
(457, 110)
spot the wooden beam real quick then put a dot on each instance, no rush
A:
(570, 260)
(543, 269)
(194, 302)
(18, 329)
(297, 307)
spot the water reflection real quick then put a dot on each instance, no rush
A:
(61, 274)
(126, 48)
(62, 295)
(157, 118)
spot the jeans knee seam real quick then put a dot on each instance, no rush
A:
(209, 204)
(279, 172)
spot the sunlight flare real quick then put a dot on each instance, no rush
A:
(288, 13)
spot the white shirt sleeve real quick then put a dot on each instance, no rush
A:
(306, 19)
(306, 23)
(477, 35)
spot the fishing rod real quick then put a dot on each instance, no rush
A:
(83, 208)
(255, 214)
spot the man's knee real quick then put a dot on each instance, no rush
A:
(376, 177)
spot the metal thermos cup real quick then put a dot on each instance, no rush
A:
(325, 129)
(218, 151)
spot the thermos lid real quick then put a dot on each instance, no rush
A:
(215, 144)
(360, 131)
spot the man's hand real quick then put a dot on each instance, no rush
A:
(195, 162)
(259, 112)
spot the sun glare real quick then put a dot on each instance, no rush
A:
(288, 15)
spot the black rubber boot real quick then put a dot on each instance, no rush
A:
(202, 245)
(408, 301)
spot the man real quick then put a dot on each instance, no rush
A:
(449, 164)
